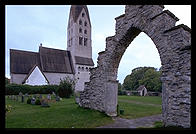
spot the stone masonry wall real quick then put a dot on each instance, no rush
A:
(174, 46)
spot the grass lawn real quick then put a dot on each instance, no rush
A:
(67, 114)
(139, 106)
(63, 114)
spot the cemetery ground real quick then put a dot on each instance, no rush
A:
(67, 114)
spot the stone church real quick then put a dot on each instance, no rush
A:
(49, 65)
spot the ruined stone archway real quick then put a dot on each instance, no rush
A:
(174, 46)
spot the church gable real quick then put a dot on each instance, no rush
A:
(36, 77)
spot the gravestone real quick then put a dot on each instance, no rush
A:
(57, 98)
(26, 95)
(49, 97)
(40, 96)
(33, 101)
(20, 94)
(16, 97)
(22, 98)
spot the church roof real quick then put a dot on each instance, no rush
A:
(75, 10)
(84, 61)
(140, 88)
(55, 60)
(50, 60)
(23, 61)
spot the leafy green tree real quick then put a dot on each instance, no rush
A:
(147, 76)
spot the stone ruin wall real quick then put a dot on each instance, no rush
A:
(174, 47)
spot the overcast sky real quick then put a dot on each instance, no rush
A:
(28, 26)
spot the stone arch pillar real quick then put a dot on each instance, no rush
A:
(173, 44)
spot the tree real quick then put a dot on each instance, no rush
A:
(147, 76)
(66, 87)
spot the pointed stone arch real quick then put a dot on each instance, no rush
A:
(174, 46)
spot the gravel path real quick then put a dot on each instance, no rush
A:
(144, 122)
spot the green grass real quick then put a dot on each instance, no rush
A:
(134, 110)
(67, 114)
(144, 99)
(63, 114)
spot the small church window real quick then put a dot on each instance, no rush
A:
(85, 23)
(80, 30)
(85, 41)
(80, 22)
(80, 40)
(83, 14)
(85, 31)
(86, 68)
(82, 68)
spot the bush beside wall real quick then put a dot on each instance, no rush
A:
(15, 89)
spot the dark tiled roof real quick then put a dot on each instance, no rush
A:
(23, 61)
(84, 61)
(55, 60)
(50, 60)
(76, 10)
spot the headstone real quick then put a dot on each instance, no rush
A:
(26, 95)
(20, 94)
(33, 101)
(12, 97)
(22, 98)
(16, 97)
(53, 93)
(49, 97)
(40, 96)
(57, 98)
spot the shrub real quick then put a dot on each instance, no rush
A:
(8, 108)
(14, 89)
(66, 88)
(37, 102)
(28, 101)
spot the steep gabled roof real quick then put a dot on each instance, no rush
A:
(22, 62)
(140, 88)
(75, 10)
(48, 59)
(55, 60)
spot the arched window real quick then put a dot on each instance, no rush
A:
(85, 23)
(85, 31)
(85, 41)
(80, 22)
(80, 40)
(83, 14)
(80, 30)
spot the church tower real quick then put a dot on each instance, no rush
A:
(79, 32)
(79, 43)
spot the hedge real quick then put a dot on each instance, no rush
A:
(15, 89)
